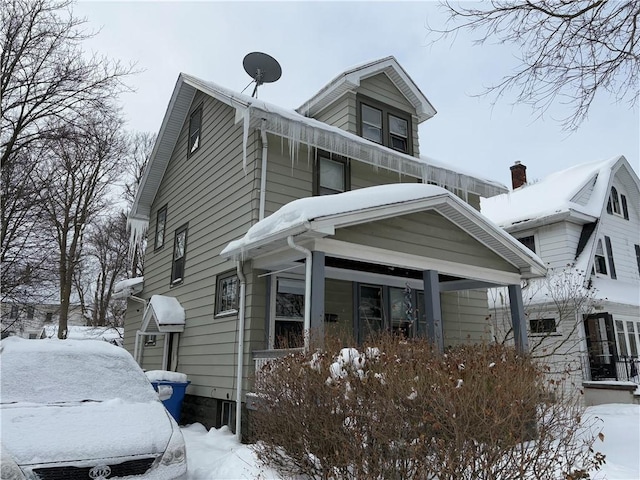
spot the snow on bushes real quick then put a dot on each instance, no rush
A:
(397, 409)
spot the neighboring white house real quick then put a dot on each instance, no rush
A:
(584, 223)
(112, 335)
(28, 319)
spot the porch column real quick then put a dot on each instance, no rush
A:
(317, 298)
(432, 309)
(518, 320)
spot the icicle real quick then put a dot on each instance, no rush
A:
(138, 229)
(246, 117)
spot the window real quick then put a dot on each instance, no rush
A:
(179, 254)
(289, 313)
(529, 242)
(384, 125)
(49, 317)
(33, 336)
(195, 128)
(637, 247)
(622, 341)
(539, 326)
(600, 263)
(150, 341)
(617, 204)
(370, 311)
(331, 174)
(227, 293)
(612, 265)
(226, 413)
(14, 311)
(161, 222)
(30, 311)
(631, 335)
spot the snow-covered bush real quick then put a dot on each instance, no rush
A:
(394, 408)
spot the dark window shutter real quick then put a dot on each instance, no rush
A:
(612, 266)
(638, 256)
(625, 209)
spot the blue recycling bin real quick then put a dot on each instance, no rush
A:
(173, 404)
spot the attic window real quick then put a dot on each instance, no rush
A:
(385, 125)
(195, 124)
(529, 242)
(617, 204)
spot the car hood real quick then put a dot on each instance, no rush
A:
(35, 434)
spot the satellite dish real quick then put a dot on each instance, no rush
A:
(262, 68)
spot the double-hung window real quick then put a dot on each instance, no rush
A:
(179, 255)
(385, 125)
(331, 174)
(195, 130)
(288, 322)
(603, 260)
(161, 222)
(227, 293)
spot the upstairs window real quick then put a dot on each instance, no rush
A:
(600, 263)
(332, 174)
(195, 124)
(617, 204)
(384, 125)
(161, 221)
(14, 311)
(529, 242)
(30, 311)
(179, 255)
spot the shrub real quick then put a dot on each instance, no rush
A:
(395, 409)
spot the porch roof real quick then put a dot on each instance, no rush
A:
(317, 217)
(163, 315)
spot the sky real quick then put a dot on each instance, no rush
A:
(315, 41)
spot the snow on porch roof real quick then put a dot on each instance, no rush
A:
(167, 313)
(319, 216)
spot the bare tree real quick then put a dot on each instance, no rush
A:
(570, 49)
(45, 80)
(106, 262)
(79, 172)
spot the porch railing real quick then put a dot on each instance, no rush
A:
(263, 357)
(623, 368)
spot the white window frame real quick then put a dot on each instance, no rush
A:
(272, 304)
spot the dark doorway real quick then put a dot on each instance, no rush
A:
(601, 346)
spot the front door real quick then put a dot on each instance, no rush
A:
(601, 346)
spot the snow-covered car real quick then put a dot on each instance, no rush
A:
(82, 409)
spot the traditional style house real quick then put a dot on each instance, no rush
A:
(584, 222)
(265, 224)
(28, 320)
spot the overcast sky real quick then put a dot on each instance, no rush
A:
(315, 41)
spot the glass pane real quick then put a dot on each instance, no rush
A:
(372, 133)
(632, 339)
(332, 174)
(370, 310)
(290, 298)
(402, 310)
(288, 334)
(228, 294)
(180, 240)
(398, 143)
(398, 126)
(371, 116)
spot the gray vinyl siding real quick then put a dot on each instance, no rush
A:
(211, 192)
(341, 113)
(464, 317)
(426, 234)
(364, 175)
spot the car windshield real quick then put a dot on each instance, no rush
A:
(63, 371)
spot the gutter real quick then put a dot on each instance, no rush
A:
(241, 321)
(307, 289)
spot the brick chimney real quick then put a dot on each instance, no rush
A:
(518, 175)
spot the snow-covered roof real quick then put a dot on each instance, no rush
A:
(320, 216)
(128, 287)
(167, 314)
(351, 78)
(579, 192)
(298, 129)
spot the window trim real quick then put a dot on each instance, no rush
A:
(195, 113)
(164, 228)
(544, 332)
(179, 280)
(386, 130)
(218, 300)
(319, 155)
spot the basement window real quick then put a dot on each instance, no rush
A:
(541, 326)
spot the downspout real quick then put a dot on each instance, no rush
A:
(307, 289)
(263, 174)
(243, 286)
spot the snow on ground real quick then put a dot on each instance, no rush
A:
(216, 454)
